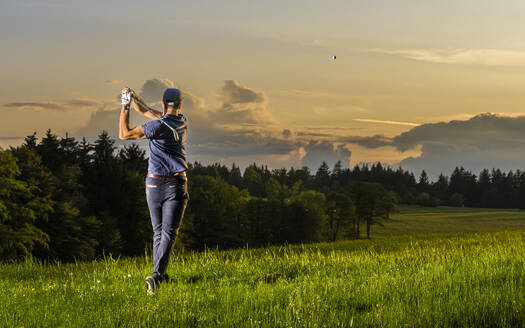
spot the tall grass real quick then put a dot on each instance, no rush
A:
(446, 280)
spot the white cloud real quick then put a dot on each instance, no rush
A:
(384, 122)
(489, 57)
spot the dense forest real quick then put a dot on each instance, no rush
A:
(65, 199)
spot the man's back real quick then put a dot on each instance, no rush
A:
(167, 155)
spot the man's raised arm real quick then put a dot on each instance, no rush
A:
(124, 132)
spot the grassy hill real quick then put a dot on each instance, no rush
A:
(457, 278)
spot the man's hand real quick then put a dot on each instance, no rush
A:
(125, 97)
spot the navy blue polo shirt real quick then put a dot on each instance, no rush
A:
(166, 156)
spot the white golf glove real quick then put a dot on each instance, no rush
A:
(125, 97)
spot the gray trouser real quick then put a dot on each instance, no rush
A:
(167, 199)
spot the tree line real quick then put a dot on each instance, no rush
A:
(68, 199)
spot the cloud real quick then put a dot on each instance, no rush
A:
(370, 142)
(114, 82)
(241, 104)
(384, 122)
(87, 103)
(11, 137)
(486, 131)
(153, 89)
(489, 57)
(240, 126)
(101, 120)
(318, 152)
(69, 105)
(235, 93)
(483, 141)
(84, 102)
(192, 102)
(44, 105)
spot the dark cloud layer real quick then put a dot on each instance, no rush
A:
(153, 89)
(484, 141)
(84, 102)
(318, 152)
(68, 105)
(484, 131)
(372, 142)
(11, 137)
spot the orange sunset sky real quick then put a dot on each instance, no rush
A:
(422, 84)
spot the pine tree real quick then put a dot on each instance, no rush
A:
(31, 141)
(322, 177)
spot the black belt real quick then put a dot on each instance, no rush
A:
(151, 175)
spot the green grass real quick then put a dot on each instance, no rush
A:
(416, 220)
(460, 279)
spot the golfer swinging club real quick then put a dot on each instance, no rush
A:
(166, 182)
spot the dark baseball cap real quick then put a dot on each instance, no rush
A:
(172, 97)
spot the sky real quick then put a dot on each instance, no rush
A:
(421, 84)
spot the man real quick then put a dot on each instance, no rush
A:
(166, 182)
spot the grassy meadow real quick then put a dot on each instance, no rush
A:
(422, 220)
(444, 267)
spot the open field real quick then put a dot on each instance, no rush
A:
(416, 220)
(461, 279)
